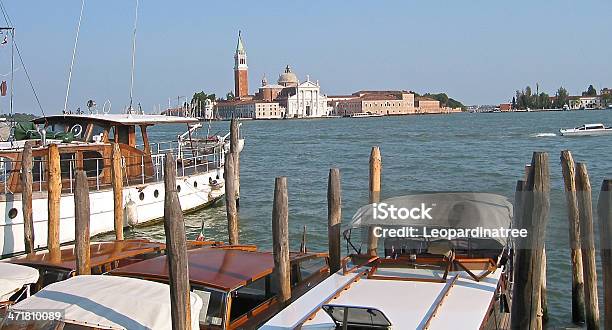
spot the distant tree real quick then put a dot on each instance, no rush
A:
(513, 102)
(230, 96)
(444, 100)
(607, 99)
(561, 98)
(544, 101)
(591, 91)
(201, 97)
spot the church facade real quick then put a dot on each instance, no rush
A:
(288, 98)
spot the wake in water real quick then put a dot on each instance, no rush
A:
(543, 135)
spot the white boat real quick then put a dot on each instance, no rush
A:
(100, 302)
(420, 283)
(15, 282)
(587, 130)
(87, 142)
(365, 115)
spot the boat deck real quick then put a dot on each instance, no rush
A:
(407, 304)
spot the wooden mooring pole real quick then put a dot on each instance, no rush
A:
(230, 199)
(280, 239)
(176, 249)
(26, 197)
(117, 181)
(587, 240)
(334, 218)
(569, 180)
(543, 301)
(235, 150)
(374, 196)
(81, 224)
(604, 211)
(526, 306)
(54, 193)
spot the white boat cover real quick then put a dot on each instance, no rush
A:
(14, 277)
(458, 210)
(110, 302)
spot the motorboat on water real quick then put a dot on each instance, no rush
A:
(85, 141)
(365, 115)
(587, 130)
(419, 282)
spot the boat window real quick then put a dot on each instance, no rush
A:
(58, 128)
(97, 132)
(311, 266)
(93, 164)
(213, 308)
(250, 296)
(67, 165)
(38, 165)
(357, 317)
(6, 165)
(51, 275)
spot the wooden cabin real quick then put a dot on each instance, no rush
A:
(88, 147)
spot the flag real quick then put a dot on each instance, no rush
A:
(3, 88)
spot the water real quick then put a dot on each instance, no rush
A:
(479, 152)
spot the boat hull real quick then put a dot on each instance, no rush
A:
(583, 133)
(195, 193)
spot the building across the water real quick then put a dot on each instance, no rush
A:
(386, 102)
(288, 98)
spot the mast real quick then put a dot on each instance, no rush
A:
(130, 110)
(76, 40)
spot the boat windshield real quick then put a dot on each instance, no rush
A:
(213, 309)
(352, 316)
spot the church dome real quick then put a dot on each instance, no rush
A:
(288, 78)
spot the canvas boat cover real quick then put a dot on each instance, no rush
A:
(459, 210)
(14, 277)
(110, 302)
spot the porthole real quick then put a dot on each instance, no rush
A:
(141, 196)
(178, 188)
(12, 213)
(156, 193)
(195, 184)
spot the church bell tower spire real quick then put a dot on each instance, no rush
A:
(241, 70)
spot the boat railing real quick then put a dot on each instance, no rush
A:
(137, 169)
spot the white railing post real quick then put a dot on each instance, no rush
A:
(142, 173)
(40, 175)
(70, 173)
(97, 174)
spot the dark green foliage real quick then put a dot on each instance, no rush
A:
(445, 101)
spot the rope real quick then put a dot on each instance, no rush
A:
(76, 40)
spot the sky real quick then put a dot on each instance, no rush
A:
(476, 51)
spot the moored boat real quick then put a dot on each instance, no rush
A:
(420, 282)
(98, 302)
(104, 256)
(86, 142)
(587, 130)
(15, 282)
(235, 282)
(365, 115)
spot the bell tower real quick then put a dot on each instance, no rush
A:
(241, 70)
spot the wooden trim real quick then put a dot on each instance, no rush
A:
(445, 292)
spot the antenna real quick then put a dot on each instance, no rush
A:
(133, 58)
(76, 40)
